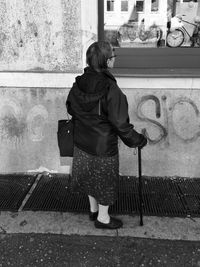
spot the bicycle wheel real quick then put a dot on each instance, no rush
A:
(175, 38)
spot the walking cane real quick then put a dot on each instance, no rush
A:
(140, 186)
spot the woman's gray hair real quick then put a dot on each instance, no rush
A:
(97, 55)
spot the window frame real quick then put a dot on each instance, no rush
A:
(153, 61)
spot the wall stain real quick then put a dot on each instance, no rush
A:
(33, 92)
(12, 127)
(32, 29)
(40, 34)
(42, 92)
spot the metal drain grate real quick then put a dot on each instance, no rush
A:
(53, 194)
(161, 196)
(13, 189)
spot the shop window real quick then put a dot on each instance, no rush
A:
(154, 5)
(172, 24)
(110, 5)
(124, 5)
(155, 34)
(139, 5)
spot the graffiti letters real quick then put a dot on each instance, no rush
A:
(181, 118)
(165, 119)
(188, 119)
(141, 116)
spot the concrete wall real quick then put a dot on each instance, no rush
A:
(40, 35)
(41, 42)
(28, 128)
(169, 112)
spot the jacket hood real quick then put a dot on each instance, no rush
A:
(89, 88)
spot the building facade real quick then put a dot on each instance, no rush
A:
(43, 45)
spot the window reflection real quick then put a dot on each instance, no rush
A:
(124, 5)
(152, 23)
(140, 6)
(154, 5)
(110, 5)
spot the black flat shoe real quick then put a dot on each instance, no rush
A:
(113, 224)
(93, 215)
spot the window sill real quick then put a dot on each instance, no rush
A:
(155, 62)
(154, 73)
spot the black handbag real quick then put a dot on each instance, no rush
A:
(65, 136)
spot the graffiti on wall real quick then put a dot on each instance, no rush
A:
(167, 117)
(15, 124)
(180, 117)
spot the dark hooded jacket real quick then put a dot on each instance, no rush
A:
(100, 113)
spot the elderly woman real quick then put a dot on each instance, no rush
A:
(100, 113)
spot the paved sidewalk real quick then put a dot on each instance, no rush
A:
(79, 224)
(54, 239)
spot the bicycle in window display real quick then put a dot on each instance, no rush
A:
(177, 33)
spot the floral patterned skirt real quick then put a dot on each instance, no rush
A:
(97, 176)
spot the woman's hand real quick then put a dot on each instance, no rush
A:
(144, 138)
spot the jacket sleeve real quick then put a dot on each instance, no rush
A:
(68, 103)
(119, 117)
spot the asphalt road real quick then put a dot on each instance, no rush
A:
(52, 250)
